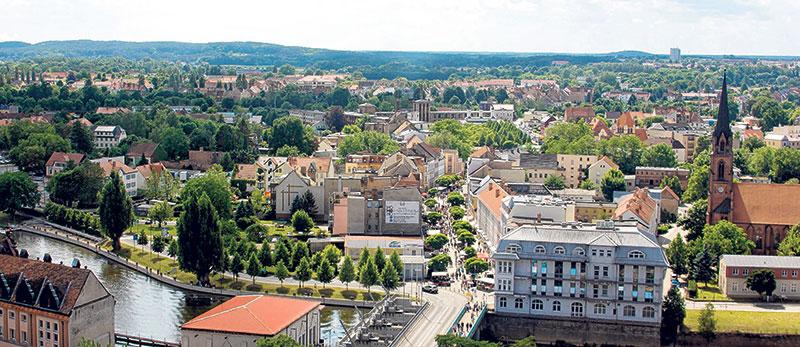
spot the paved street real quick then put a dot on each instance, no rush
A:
(444, 309)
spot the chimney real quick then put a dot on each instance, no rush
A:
(539, 218)
(497, 193)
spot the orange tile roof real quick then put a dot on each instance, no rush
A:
(147, 169)
(626, 120)
(246, 172)
(62, 157)
(607, 160)
(760, 203)
(639, 203)
(113, 165)
(492, 197)
(641, 134)
(253, 314)
(578, 112)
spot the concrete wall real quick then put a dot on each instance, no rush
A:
(93, 315)
(507, 328)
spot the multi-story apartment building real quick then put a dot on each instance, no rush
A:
(363, 164)
(650, 177)
(106, 136)
(607, 272)
(46, 304)
(574, 166)
(734, 269)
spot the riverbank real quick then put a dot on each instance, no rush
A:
(173, 282)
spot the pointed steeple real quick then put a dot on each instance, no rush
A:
(723, 123)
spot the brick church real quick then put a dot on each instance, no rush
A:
(764, 211)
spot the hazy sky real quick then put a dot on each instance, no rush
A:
(762, 27)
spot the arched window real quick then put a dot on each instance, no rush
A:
(537, 305)
(577, 309)
(636, 254)
(518, 303)
(556, 306)
(559, 250)
(578, 251)
(513, 248)
(721, 172)
(503, 302)
(539, 249)
(599, 308)
(629, 311)
(648, 312)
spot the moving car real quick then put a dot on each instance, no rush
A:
(430, 288)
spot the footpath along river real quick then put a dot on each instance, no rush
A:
(145, 307)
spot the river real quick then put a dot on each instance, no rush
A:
(145, 307)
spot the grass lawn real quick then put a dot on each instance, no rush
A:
(152, 229)
(750, 322)
(165, 265)
(710, 292)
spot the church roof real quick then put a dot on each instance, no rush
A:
(760, 203)
(723, 125)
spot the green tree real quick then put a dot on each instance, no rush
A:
(368, 275)
(430, 203)
(333, 254)
(707, 322)
(157, 245)
(256, 232)
(725, 237)
(299, 251)
(673, 312)
(673, 183)
(80, 184)
(282, 252)
(587, 185)
(325, 272)
(660, 155)
(790, 246)
(769, 113)
(439, 262)
(786, 165)
(265, 254)
(761, 282)
(81, 138)
(457, 212)
(467, 238)
(216, 186)
(116, 213)
(379, 259)
(369, 141)
(695, 219)
(278, 341)
(458, 341)
(394, 258)
(142, 239)
(237, 265)
(475, 266)
(470, 252)
(281, 272)
(290, 131)
(199, 237)
(625, 151)
(18, 191)
(389, 278)
(613, 180)
(301, 221)
(227, 162)
(702, 266)
(433, 217)
(678, 256)
(347, 273)
(455, 199)
(697, 188)
(253, 267)
(161, 186)
(172, 250)
(529, 341)
(160, 212)
(554, 182)
(436, 241)
(362, 259)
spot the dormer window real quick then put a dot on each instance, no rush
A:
(513, 248)
(636, 254)
(539, 249)
(578, 251)
(559, 250)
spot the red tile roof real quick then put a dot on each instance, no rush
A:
(760, 203)
(492, 197)
(113, 165)
(585, 113)
(61, 157)
(147, 169)
(253, 314)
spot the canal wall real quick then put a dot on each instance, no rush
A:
(229, 293)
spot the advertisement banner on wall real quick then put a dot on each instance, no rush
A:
(402, 212)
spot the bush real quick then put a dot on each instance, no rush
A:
(82, 221)
(663, 229)
(692, 288)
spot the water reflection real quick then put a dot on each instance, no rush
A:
(146, 307)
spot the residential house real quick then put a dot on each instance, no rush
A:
(59, 160)
(363, 164)
(641, 208)
(574, 113)
(734, 270)
(592, 212)
(247, 174)
(488, 213)
(572, 167)
(599, 169)
(142, 153)
(650, 177)
(147, 170)
(266, 170)
(106, 136)
(128, 175)
(538, 167)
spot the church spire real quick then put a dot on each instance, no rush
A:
(723, 123)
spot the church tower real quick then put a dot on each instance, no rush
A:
(720, 187)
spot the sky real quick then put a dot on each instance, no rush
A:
(756, 27)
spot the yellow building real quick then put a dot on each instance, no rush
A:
(363, 164)
(591, 212)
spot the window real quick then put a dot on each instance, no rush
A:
(596, 271)
(577, 309)
(579, 251)
(504, 285)
(24, 318)
(648, 312)
(635, 293)
(534, 286)
(518, 303)
(12, 334)
(636, 274)
(559, 269)
(735, 286)
(793, 288)
(556, 306)
(559, 250)
(544, 269)
(636, 254)
(794, 273)
(572, 287)
(629, 311)
(594, 252)
(599, 309)
(24, 336)
(650, 275)
(503, 302)
(735, 272)
(621, 273)
(537, 305)
(11, 315)
(620, 292)
(605, 290)
(783, 287)
(785, 273)
(573, 270)
(648, 293)
(504, 267)
(513, 248)
(745, 272)
(557, 288)
(534, 267)
(605, 271)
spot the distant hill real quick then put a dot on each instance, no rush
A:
(256, 53)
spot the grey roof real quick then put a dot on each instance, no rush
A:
(655, 168)
(772, 261)
(538, 161)
(585, 234)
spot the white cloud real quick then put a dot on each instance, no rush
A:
(698, 27)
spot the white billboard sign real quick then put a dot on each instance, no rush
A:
(402, 212)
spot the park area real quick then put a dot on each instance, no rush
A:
(749, 321)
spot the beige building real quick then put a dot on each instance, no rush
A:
(599, 169)
(45, 304)
(244, 320)
(573, 166)
(734, 269)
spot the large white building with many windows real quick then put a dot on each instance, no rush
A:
(605, 272)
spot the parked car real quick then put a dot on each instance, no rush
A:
(430, 288)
